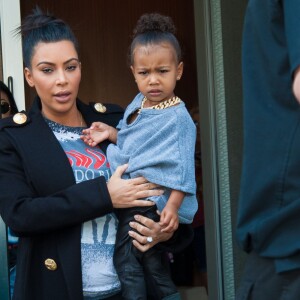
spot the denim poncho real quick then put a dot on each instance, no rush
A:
(159, 145)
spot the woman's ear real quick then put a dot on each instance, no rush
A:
(28, 77)
(179, 70)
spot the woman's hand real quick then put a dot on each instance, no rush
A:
(147, 228)
(126, 193)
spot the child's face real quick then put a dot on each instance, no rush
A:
(156, 70)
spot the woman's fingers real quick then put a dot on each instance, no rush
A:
(130, 192)
(147, 229)
(142, 203)
(144, 194)
(146, 189)
(124, 194)
(152, 225)
(141, 182)
(141, 239)
(140, 242)
(142, 247)
(120, 170)
(144, 183)
(149, 186)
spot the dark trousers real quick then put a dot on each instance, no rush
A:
(115, 297)
(142, 275)
(261, 282)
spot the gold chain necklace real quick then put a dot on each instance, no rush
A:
(165, 104)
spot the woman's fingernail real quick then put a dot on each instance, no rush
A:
(130, 233)
(137, 217)
(131, 224)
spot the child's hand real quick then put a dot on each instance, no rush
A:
(97, 133)
(169, 219)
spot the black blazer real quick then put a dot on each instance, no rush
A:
(41, 203)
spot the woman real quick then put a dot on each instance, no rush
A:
(8, 105)
(63, 196)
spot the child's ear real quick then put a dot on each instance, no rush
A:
(28, 77)
(132, 70)
(179, 70)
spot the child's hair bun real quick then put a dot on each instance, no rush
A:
(154, 22)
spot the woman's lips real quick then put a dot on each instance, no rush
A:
(62, 97)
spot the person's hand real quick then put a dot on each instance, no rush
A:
(126, 193)
(97, 133)
(147, 230)
(169, 220)
(296, 84)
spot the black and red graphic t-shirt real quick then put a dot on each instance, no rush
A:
(97, 236)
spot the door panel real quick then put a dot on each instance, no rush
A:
(104, 30)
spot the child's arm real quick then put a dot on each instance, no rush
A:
(169, 216)
(98, 132)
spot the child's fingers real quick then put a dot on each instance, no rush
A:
(95, 125)
(87, 140)
(86, 131)
(83, 137)
(169, 228)
(166, 229)
(164, 219)
(165, 226)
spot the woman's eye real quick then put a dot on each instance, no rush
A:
(47, 70)
(72, 68)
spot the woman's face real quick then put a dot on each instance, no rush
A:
(55, 73)
(5, 106)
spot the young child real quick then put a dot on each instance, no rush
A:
(157, 139)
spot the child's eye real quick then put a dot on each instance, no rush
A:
(164, 71)
(143, 72)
